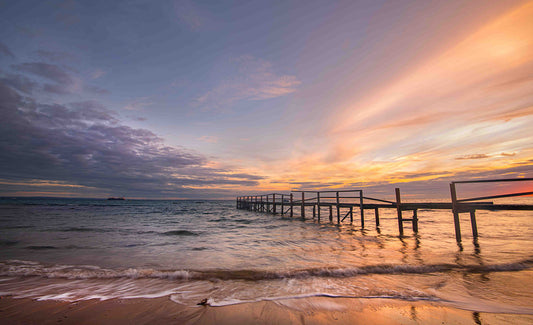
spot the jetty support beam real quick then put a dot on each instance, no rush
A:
(399, 210)
(455, 210)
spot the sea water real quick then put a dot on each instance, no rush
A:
(77, 249)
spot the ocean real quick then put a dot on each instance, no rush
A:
(79, 249)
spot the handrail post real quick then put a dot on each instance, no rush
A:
(399, 210)
(455, 211)
(282, 206)
(362, 208)
(274, 203)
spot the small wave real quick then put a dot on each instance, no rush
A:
(83, 229)
(245, 221)
(7, 243)
(78, 247)
(18, 227)
(40, 247)
(180, 233)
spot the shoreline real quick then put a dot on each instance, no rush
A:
(316, 310)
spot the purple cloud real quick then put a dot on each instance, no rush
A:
(85, 144)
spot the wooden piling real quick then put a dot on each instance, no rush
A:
(318, 204)
(282, 204)
(338, 208)
(455, 211)
(473, 223)
(399, 210)
(303, 206)
(291, 205)
(273, 203)
(415, 220)
(361, 206)
(376, 214)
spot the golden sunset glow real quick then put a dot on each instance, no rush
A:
(345, 96)
(426, 124)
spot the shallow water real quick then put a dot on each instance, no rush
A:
(74, 249)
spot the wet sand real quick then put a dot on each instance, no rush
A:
(319, 310)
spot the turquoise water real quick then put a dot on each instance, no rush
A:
(72, 249)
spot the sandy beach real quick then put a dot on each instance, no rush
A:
(318, 310)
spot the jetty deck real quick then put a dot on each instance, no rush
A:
(342, 203)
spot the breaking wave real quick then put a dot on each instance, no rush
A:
(23, 268)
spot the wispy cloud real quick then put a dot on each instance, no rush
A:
(98, 73)
(474, 156)
(62, 81)
(48, 71)
(209, 139)
(474, 96)
(188, 14)
(55, 56)
(138, 104)
(255, 79)
(4, 50)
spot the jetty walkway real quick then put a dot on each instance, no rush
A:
(342, 203)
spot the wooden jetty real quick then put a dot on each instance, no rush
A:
(349, 200)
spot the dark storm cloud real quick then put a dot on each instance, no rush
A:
(83, 143)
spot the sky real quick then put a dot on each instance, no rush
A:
(215, 99)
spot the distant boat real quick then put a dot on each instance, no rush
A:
(116, 198)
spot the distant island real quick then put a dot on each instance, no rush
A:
(116, 198)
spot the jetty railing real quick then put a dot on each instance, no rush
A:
(345, 201)
(468, 205)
